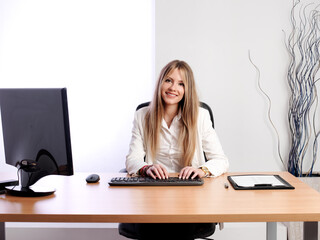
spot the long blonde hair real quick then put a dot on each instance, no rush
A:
(189, 106)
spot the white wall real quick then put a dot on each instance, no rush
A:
(214, 37)
(102, 51)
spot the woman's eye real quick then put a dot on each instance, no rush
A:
(167, 80)
(181, 84)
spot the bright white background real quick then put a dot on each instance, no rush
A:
(102, 51)
(108, 53)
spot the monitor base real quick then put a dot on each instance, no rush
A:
(29, 192)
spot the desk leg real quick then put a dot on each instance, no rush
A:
(2, 231)
(271, 231)
(310, 231)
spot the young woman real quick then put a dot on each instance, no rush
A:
(173, 132)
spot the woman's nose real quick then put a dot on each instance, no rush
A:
(173, 86)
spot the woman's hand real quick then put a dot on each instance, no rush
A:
(186, 172)
(157, 171)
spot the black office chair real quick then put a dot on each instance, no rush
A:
(167, 231)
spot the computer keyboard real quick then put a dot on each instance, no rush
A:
(147, 181)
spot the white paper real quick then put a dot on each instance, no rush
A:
(252, 180)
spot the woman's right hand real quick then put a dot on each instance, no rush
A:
(157, 171)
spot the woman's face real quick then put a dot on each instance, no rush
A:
(172, 88)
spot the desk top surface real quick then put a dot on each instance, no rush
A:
(77, 201)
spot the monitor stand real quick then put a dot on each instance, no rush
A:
(32, 191)
(30, 172)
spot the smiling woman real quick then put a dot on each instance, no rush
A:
(172, 135)
(173, 132)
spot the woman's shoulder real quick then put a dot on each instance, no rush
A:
(204, 118)
(141, 113)
(142, 110)
(203, 112)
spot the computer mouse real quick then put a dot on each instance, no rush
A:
(93, 178)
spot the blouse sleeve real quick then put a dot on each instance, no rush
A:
(135, 157)
(217, 162)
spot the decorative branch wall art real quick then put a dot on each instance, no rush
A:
(303, 48)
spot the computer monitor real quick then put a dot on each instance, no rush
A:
(36, 136)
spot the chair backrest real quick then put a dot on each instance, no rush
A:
(202, 104)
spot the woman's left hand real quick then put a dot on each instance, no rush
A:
(192, 172)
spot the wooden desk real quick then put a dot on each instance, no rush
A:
(77, 201)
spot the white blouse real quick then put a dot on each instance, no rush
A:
(169, 152)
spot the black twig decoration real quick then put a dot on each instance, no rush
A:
(303, 49)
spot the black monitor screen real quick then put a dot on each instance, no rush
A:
(36, 133)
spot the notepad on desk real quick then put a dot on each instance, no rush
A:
(258, 181)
